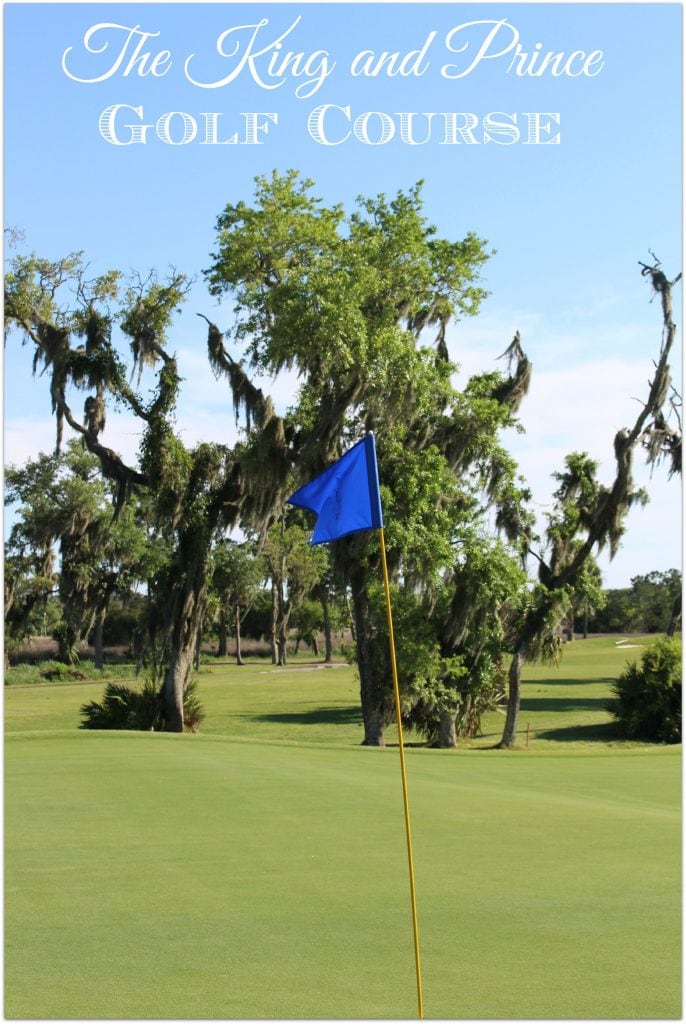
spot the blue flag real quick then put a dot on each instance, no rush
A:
(345, 496)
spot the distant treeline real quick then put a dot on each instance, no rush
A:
(647, 606)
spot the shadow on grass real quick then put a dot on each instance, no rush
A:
(317, 716)
(606, 732)
(564, 703)
(554, 681)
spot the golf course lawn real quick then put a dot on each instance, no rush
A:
(258, 869)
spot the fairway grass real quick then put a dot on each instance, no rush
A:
(260, 871)
(308, 702)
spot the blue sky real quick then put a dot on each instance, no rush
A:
(569, 220)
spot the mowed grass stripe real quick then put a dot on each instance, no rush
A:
(181, 877)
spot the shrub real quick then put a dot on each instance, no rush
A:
(139, 710)
(647, 699)
(193, 711)
(120, 708)
(60, 675)
(47, 672)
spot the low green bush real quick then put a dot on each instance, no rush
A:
(647, 698)
(193, 711)
(61, 673)
(50, 671)
(139, 710)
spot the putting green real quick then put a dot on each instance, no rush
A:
(206, 877)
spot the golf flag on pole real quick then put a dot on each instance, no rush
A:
(345, 497)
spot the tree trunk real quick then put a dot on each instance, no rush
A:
(447, 732)
(98, 639)
(675, 616)
(374, 727)
(275, 615)
(183, 615)
(175, 682)
(198, 645)
(283, 616)
(282, 654)
(373, 695)
(223, 645)
(326, 614)
(68, 642)
(351, 617)
(509, 738)
(239, 656)
(585, 627)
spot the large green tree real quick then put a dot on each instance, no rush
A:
(359, 306)
(29, 576)
(293, 568)
(589, 516)
(236, 577)
(192, 493)
(65, 507)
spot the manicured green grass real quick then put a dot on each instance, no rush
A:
(567, 703)
(256, 701)
(310, 703)
(258, 870)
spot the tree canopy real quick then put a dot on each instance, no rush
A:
(357, 305)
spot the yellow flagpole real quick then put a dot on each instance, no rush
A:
(396, 690)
